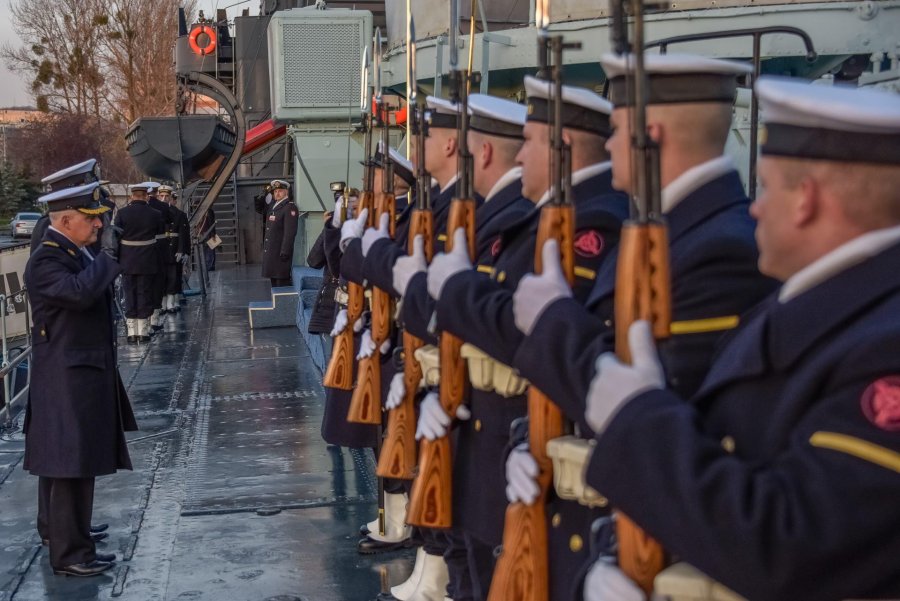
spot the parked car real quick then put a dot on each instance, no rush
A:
(23, 224)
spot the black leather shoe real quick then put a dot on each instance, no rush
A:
(92, 568)
(105, 557)
(98, 528)
(144, 339)
(364, 530)
(99, 536)
(370, 546)
(132, 339)
(386, 597)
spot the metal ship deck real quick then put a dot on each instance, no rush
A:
(234, 495)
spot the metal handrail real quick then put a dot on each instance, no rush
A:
(6, 365)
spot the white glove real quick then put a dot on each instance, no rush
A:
(385, 347)
(336, 216)
(521, 476)
(366, 346)
(185, 258)
(446, 265)
(408, 266)
(373, 235)
(605, 582)
(178, 257)
(396, 392)
(537, 292)
(359, 324)
(353, 228)
(616, 383)
(340, 322)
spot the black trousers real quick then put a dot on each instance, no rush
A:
(65, 506)
(481, 566)
(173, 278)
(140, 295)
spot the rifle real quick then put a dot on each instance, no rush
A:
(339, 373)
(398, 454)
(642, 272)
(430, 499)
(365, 404)
(522, 571)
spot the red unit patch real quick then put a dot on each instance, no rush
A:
(495, 248)
(589, 244)
(881, 403)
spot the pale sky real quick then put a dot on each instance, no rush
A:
(14, 91)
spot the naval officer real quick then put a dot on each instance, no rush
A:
(780, 477)
(281, 229)
(78, 409)
(80, 174)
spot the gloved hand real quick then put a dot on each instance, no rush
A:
(284, 256)
(110, 240)
(433, 420)
(353, 228)
(336, 216)
(186, 258)
(179, 257)
(406, 267)
(606, 582)
(396, 392)
(537, 292)
(372, 235)
(366, 346)
(446, 265)
(616, 383)
(521, 476)
(340, 322)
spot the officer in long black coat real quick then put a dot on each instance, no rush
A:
(281, 229)
(74, 175)
(140, 224)
(78, 408)
(175, 247)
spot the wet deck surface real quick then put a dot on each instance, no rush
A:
(234, 495)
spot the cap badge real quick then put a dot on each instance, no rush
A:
(881, 403)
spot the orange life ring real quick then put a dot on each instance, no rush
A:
(210, 33)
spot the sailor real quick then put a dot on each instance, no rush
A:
(176, 250)
(281, 229)
(184, 234)
(140, 224)
(78, 407)
(495, 138)
(76, 175)
(162, 248)
(779, 477)
(713, 266)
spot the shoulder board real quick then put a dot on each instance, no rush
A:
(50, 243)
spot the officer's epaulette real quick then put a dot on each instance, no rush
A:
(50, 243)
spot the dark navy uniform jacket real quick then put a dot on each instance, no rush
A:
(139, 222)
(478, 308)
(492, 219)
(781, 477)
(281, 229)
(78, 409)
(179, 240)
(713, 259)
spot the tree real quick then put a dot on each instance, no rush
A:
(16, 191)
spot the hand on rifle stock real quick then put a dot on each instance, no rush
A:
(340, 322)
(353, 228)
(616, 383)
(521, 476)
(434, 422)
(373, 235)
(367, 346)
(446, 265)
(397, 391)
(537, 292)
(407, 267)
(606, 582)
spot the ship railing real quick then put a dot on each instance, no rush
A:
(13, 354)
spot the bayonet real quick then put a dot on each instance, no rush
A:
(454, 35)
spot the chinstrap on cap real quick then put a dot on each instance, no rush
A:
(675, 78)
(582, 109)
(837, 123)
(75, 175)
(84, 199)
(496, 116)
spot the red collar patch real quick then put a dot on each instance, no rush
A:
(881, 403)
(495, 248)
(589, 244)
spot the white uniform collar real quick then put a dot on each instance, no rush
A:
(843, 257)
(505, 180)
(277, 204)
(579, 176)
(692, 179)
(450, 183)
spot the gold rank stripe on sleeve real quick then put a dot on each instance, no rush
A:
(442, 237)
(856, 447)
(700, 326)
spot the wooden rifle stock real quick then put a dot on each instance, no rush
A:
(431, 496)
(365, 404)
(398, 454)
(339, 373)
(642, 292)
(522, 572)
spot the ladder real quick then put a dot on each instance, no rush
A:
(230, 252)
